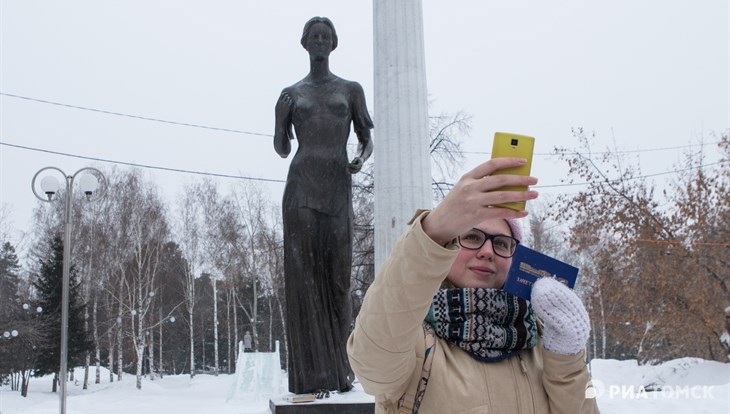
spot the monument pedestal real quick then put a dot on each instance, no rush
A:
(321, 407)
(355, 401)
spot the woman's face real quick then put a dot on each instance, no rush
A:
(319, 40)
(481, 268)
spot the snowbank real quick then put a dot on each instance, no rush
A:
(688, 385)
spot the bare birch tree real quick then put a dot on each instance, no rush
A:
(252, 208)
(148, 233)
(189, 232)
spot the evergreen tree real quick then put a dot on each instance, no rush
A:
(49, 290)
(9, 279)
(9, 306)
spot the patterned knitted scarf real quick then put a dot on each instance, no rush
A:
(489, 324)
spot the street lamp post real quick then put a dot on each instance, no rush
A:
(10, 334)
(50, 186)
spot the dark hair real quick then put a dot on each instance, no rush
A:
(318, 19)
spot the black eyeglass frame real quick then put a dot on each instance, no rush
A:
(491, 238)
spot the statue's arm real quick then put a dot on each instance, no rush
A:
(362, 126)
(364, 150)
(283, 125)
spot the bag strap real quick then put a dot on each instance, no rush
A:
(410, 402)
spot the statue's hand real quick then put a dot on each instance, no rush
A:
(285, 102)
(355, 166)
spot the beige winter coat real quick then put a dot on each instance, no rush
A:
(387, 347)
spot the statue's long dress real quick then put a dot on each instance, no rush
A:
(317, 214)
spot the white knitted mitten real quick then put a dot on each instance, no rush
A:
(564, 316)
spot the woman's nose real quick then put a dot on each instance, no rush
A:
(486, 251)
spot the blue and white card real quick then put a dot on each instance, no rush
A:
(529, 265)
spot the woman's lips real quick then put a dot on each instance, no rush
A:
(482, 271)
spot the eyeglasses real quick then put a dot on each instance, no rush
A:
(503, 246)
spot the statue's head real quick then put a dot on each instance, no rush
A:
(312, 22)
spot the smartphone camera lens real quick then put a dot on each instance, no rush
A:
(513, 142)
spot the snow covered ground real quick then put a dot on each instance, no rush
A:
(689, 385)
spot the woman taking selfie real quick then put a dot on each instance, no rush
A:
(436, 332)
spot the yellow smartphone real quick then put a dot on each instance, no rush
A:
(513, 145)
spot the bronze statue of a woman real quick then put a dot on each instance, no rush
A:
(317, 213)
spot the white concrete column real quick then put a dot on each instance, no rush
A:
(402, 161)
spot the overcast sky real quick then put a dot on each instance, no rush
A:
(640, 73)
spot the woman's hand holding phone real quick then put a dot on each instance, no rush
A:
(477, 196)
(514, 145)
